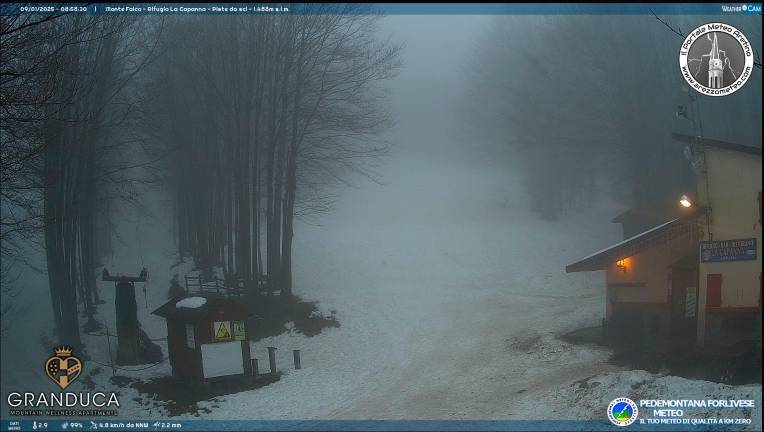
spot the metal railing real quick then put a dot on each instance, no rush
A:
(229, 288)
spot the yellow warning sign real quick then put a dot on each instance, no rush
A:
(222, 330)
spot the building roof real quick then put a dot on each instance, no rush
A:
(213, 305)
(626, 215)
(638, 215)
(631, 246)
(756, 151)
(715, 49)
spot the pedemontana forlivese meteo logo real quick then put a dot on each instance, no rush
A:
(622, 411)
(716, 59)
(63, 368)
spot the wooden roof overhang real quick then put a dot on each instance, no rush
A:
(676, 229)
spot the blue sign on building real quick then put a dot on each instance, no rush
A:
(728, 250)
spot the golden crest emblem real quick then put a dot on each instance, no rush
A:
(62, 367)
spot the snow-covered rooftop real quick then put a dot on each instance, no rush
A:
(191, 303)
(621, 249)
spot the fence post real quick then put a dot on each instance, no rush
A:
(108, 344)
(296, 354)
(272, 359)
(253, 361)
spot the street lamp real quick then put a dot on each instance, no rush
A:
(685, 201)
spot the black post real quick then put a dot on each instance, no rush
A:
(128, 352)
(272, 359)
(254, 367)
(111, 359)
(296, 359)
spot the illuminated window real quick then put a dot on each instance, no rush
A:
(623, 264)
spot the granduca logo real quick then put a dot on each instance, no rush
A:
(622, 411)
(63, 368)
(716, 59)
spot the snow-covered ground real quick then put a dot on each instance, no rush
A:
(430, 289)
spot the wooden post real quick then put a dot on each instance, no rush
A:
(296, 354)
(253, 361)
(272, 359)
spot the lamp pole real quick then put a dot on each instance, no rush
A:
(697, 125)
(696, 114)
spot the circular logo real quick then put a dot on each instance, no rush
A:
(716, 59)
(622, 411)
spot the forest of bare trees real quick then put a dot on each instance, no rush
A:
(249, 121)
(263, 115)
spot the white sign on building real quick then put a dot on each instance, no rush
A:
(222, 359)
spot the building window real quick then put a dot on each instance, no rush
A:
(623, 264)
(713, 290)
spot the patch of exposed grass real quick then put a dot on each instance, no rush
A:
(273, 313)
(182, 397)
